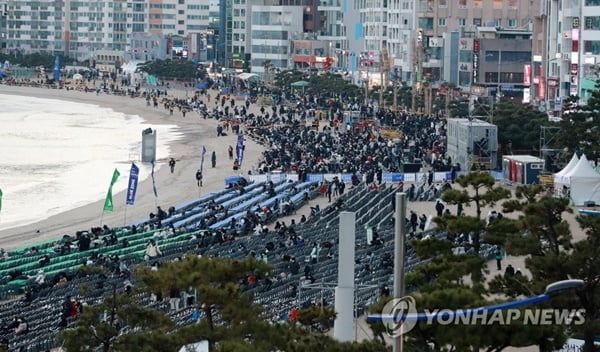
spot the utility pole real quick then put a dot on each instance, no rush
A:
(367, 87)
(385, 73)
(395, 84)
(418, 64)
(447, 102)
(399, 260)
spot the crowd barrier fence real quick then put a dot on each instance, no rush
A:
(418, 177)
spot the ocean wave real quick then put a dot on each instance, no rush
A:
(59, 155)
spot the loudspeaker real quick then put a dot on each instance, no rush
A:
(589, 203)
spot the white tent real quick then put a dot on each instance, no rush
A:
(584, 182)
(246, 76)
(559, 176)
(201, 346)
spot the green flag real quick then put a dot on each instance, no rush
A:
(0, 200)
(108, 203)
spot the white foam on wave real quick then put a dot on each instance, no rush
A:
(57, 155)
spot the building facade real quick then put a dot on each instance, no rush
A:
(79, 28)
(566, 64)
(273, 28)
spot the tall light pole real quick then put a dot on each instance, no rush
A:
(399, 260)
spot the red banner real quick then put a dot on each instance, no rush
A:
(542, 89)
(527, 75)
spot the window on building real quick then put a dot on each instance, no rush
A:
(508, 56)
(465, 56)
(478, 3)
(442, 22)
(512, 4)
(511, 77)
(592, 2)
(443, 3)
(491, 77)
(591, 46)
(512, 23)
(425, 22)
(477, 22)
(592, 22)
(462, 3)
(464, 78)
(498, 22)
(461, 22)
(497, 4)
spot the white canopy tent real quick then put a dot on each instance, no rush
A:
(201, 346)
(246, 76)
(559, 176)
(584, 182)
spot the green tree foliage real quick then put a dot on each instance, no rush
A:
(35, 60)
(541, 230)
(520, 126)
(477, 189)
(543, 235)
(332, 84)
(183, 70)
(582, 122)
(120, 325)
(440, 284)
(101, 327)
(284, 79)
(220, 284)
(459, 108)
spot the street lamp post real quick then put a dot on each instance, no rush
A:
(551, 290)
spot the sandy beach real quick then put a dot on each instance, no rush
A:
(173, 189)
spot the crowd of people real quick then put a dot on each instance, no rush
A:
(298, 138)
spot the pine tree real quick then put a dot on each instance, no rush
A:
(542, 234)
(102, 326)
(580, 125)
(478, 189)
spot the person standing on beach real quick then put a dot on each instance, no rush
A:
(230, 151)
(213, 159)
(172, 165)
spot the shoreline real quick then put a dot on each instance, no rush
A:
(173, 189)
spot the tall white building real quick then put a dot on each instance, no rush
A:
(273, 28)
(78, 28)
(567, 65)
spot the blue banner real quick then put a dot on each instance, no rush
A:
(56, 70)
(240, 149)
(133, 183)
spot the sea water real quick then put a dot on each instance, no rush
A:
(57, 155)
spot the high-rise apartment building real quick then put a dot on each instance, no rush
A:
(273, 28)
(566, 65)
(79, 28)
(403, 25)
